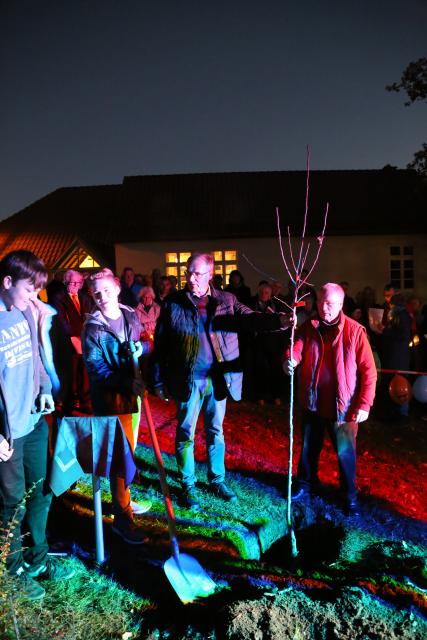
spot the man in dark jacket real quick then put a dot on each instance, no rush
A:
(266, 348)
(336, 389)
(25, 397)
(72, 304)
(197, 356)
(396, 351)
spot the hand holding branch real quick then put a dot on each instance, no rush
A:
(289, 366)
(362, 415)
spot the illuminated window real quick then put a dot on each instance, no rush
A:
(89, 263)
(402, 267)
(230, 256)
(229, 264)
(176, 264)
(225, 261)
(229, 268)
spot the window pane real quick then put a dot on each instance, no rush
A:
(395, 251)
(183, 257)
(230, 255)
(395, 283)
(409, 284)
(408, 273)
(182, 270)
(395, 275)
(217, 256)
(408, 251)
(219, 269)
(408, 264)
(229, 268)
(395, 264)
(171, 271)
(172, 257)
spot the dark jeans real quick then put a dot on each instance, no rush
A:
(268, 373)
(80, 380)
(25, 473)
(343, 436)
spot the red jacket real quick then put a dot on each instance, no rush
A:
(355, 367)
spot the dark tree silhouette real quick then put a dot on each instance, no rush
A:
(414, 83)
(419, 163)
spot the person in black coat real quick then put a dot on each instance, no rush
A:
(267, 348)
(236, 286)
(72, 305)
(396, 352)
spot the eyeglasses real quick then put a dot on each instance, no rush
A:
(197, 274)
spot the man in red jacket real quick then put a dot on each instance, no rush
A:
(336, 389)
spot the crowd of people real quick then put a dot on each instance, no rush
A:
(101, 340)
(396, 326)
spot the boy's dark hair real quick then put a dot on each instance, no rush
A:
(24, 265)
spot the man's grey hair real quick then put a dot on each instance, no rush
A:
(332, 287)
(207, 257)
(70, 274)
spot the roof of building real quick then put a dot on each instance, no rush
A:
(244, 204)
(215, 205)
(51, 246)
(52, 226)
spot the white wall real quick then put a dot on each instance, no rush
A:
(362, 260)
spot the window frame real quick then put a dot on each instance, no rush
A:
(225, 261)
(402, 267)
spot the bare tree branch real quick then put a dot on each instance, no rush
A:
(298, 282)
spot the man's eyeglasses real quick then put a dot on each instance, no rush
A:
(197, 274)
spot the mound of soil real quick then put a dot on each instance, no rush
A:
(292, 614)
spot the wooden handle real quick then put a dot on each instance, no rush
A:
(161, 469)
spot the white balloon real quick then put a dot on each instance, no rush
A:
(419, 389)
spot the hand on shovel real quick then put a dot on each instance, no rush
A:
(161, 392)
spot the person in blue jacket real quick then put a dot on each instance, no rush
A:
(111, 344)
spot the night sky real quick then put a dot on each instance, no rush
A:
(93, 91)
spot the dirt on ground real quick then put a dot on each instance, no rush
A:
(295, 615)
